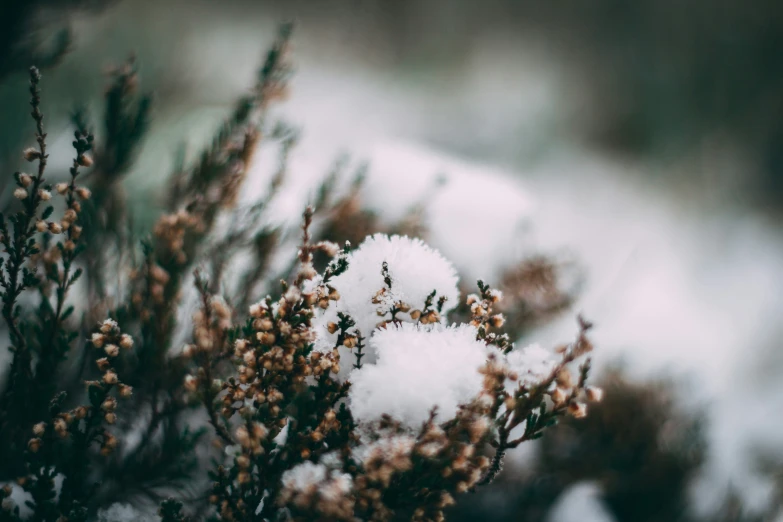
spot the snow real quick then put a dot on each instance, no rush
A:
(580, 503)
(124, 513)
(308, 476)
(415, 270)
(418, 368)
(532, 364)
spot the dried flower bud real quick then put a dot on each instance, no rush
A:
(25, 180)
(39, 429)
(577, 409)
(69, 246)
(98, 340)
(126, 341)
(331, 327)
(125, 391)
(350, 341)
(307, 271)
(45, 195)
(594, 394)
(70, 215)
(265, 324)
(61, 188)
(34, 444)
(110, 418)
(31, 154)
(565, 379)
(103, 364)
(498, 321)
(110, 377)
(329, 248)
(55, 228)
(110, 404)
(191, 383)
(112, 350)
(415, 314)
(41, 226)
(83, 192)
(266, 338)
(558, 396)
(108, 325)
(60, 427)
(80, 412)
(257, 310)
(20, 193)
(85, 161)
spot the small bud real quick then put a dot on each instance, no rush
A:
(83, 192)
(498, 321)
(265, 324)
(125, 391)
(256, 310)
(60, 427)
(45, 195)
(350, 341)
(70, 215)
(109, 404)
(103, 364)
(80, 412)
(110, 418)
(578, 410)
(415, 315)
(594, 394)
(558, 396)
(61, 188)
(31, 154)
(41, 226)
(69, 246)
(266, 338)
(126, 341)
(108, 325)
(20, 193)
(188, 350)
(110, 377)
(331, 327)
(34, 445)
(98, 340)
(55, 228)
(191, 383)
(25, 180)
(112, 350)
(39, 429)
(565, 379)
(84, 160)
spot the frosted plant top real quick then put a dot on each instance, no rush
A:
(388, 274)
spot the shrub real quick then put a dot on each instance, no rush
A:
(343, 393)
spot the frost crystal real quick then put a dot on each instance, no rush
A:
(418, 368)
(414, 270)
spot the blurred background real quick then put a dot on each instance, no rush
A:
(638, 144)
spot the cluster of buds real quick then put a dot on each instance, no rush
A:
(110, 341)
(209, 325)
(314, 492)
(150, 288)
(170, 232)
(250, 437)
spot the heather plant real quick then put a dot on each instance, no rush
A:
(190, 369)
